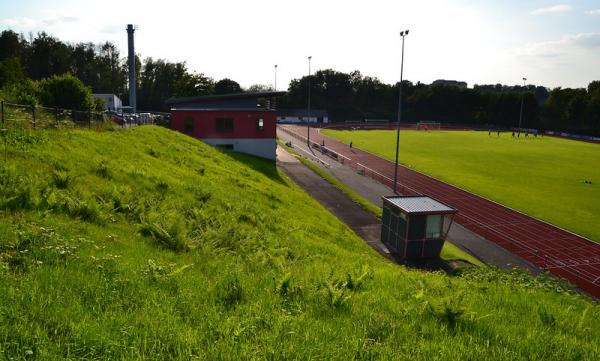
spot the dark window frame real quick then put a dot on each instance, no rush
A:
(188, 124)
(224, 125)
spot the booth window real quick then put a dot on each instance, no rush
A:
(188, 124)
(260, 124)
(433, 226)
(224, 125)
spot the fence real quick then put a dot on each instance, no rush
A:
(20, 116)
(360, 168)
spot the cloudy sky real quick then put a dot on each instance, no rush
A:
(552, 43)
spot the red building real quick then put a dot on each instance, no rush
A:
(244, 122)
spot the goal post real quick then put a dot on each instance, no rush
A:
(428, 125)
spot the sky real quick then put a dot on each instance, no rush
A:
(551, 43)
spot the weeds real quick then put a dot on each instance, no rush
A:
(61, 179)
(336, 296)
(355, 281)
(103, 170)
(230, 291)
(172, 238)
(153, 153)
(162, 187)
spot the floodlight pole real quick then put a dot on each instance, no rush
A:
(522, 100)
(275, 84)
(308, 114)
(402, 34)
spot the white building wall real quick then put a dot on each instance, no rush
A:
(288, 119)
(111, 101)
(264, 148)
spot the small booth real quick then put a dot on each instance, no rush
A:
(415, 227)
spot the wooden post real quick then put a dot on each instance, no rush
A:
(56, 115)
(2, 110)
(33, 115)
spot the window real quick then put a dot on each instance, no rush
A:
(188, 124)
(433, 226)
(224, 125)
(260, 124)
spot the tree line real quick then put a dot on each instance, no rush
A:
(346, 96)
(352, 96)
(27, 64)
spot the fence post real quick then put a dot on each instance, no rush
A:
(2, 110)
(56, 115)
(33, 115)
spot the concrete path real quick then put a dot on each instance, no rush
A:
(485, 250)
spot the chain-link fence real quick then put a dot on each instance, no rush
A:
(20, 116)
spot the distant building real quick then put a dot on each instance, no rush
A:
(301, 116)
(242, 122)
(111, 101)
(456, 83)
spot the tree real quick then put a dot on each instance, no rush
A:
(11, 45)
(594, 87)
(158, 79)
(65, 91)
(194, 85)
(47, 56)
(258, 88)
(11, 71)
(227, 86)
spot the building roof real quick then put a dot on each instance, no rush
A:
(262, 110)
(419, 205)
(302, 113)
(235, 96)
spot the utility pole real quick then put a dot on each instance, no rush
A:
(402, 34)
(308, 115)
(522, 101)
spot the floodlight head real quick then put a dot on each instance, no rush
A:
(310, 57)
(276, 65)
(406, 32)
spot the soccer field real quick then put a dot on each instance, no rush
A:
(543, 177)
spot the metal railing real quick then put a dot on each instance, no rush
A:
(360, 168)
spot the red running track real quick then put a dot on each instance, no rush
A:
(556, 250)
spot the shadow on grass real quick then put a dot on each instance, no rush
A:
(430, 265)
(265, 166)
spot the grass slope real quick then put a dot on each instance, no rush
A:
(541, 177)
(147, 244)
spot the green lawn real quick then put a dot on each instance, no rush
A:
(541, 177)
(145, 244)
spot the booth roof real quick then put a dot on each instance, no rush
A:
(419, 204)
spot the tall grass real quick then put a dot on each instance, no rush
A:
(236, 263)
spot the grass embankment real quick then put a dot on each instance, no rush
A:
(147, 244)
(450, 252)
(543, 177)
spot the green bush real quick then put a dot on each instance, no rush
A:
(26, 92)
(65, 91)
